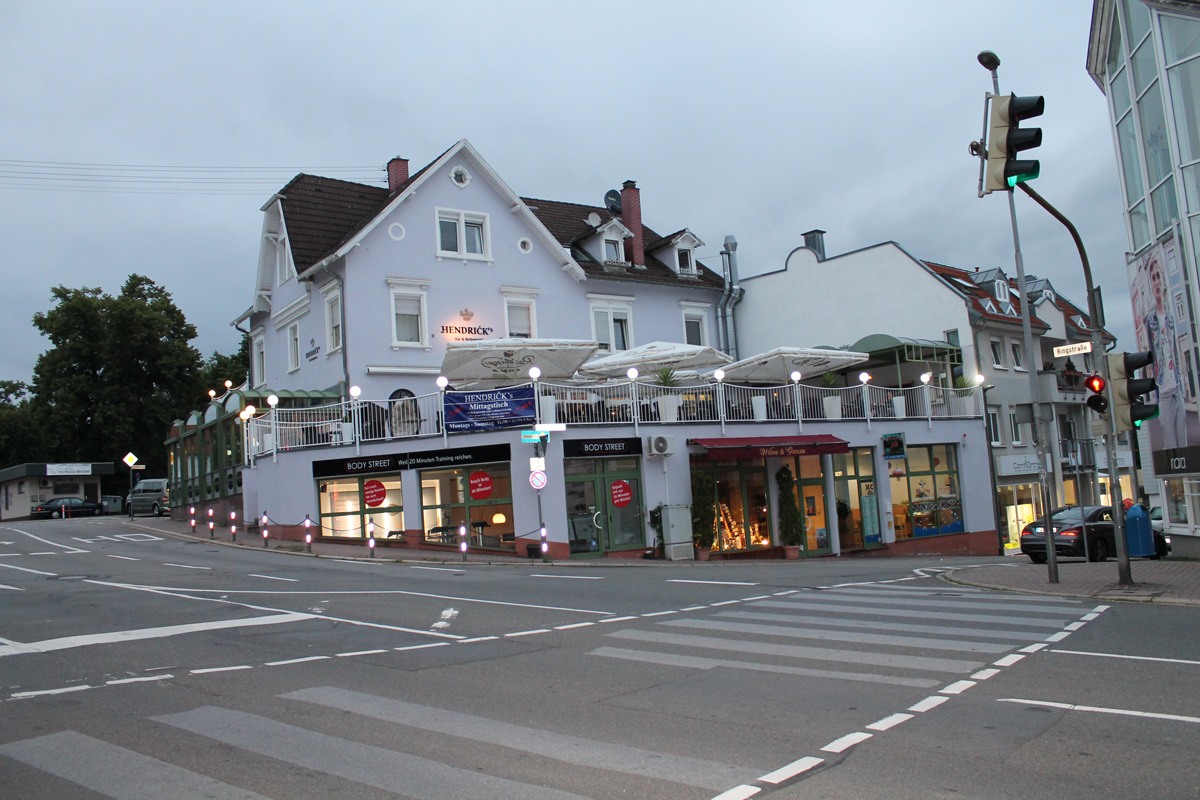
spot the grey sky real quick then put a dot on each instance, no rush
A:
(760, 119)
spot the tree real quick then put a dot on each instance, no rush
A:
(220, 368)
(118, 373)
(20, 440)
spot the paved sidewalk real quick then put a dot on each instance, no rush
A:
(1162, 581)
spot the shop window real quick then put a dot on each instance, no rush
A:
(477, 499)
(743, 516)
(810, 489)
(925, 492)
(348, 504)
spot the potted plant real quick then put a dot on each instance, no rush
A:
(791, 518)
(704, 510)
(832, 400)
(667, 402)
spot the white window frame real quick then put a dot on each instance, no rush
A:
(334, 335)
(461, 219)
(293, 346)
(1014, 428)
(520, 296)
(693, 311)
(997, 350)
(258, 359)
(993, 427)
(409, 288)
(680, 254)
(611, 307)
(620, 251)
(285, 270)
(1017, 356)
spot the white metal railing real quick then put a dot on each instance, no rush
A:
(620, 403)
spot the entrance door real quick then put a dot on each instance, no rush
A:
(604, 512)
(585, 522)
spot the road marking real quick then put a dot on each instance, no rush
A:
(123, 558)
(526, 633)
(617, 619)
(573, 625)
(814, 602)
(724, 603)
(64, 690)
(984, 674)
(694, 608)
(220, 669)
(66, 547)
(738, 793)
(792, 770)
(958, 687)
(43, 554)
(13, 588)
(69, 642)
(119, 681)
(477, 639)
(27, 569)
(846, 742)
(1089, 617)
(1058, 637)
(184, 566)
(1009, 660)
(659, 613)
(360, 653)
(889, 722)
(854, 637)
(298, 660)
(890, 627)
(570, 577)
(756, 597)
(1033, 648)
(273, 577)
(1097, 709)
(1132, 658)
(1074, 626)
(421, 646)
(440, 569)
(714, 583)
(929, 703)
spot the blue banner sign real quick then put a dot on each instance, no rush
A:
(488, 411)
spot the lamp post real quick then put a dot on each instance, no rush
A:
(442, 383)
(244, 415)
(926, 377)
(273, 402)
(719, 374)
(632, 374)
(795, 376)
(864, 378)
(355, 391)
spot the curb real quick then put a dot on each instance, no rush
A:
(1129, 596)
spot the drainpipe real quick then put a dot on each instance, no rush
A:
(722, 334)
(735, 296)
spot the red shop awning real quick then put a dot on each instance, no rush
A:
(772, 446)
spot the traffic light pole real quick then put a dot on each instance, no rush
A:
(1032, 355)
(1096, 315)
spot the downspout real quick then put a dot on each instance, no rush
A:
(722, 334)
(735, 296)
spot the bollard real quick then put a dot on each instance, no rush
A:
(211, 524)
(307, 533)
(462, 541)
(232, 526)
(192, 520)
(545, 545)
(264, 528)
(371, 535)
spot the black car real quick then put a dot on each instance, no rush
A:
(1067, 524)
(65, 507)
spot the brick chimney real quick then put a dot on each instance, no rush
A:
(397, 170)
(631, 217)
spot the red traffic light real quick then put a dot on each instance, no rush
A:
(1095, 383)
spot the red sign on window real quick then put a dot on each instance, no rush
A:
(481, 485)
(622, 495)
(374, 493)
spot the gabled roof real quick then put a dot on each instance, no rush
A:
(981, 300)
(320, 212)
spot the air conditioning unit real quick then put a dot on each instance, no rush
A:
(661, 445)
(45, 483)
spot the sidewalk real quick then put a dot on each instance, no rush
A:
(1163, 581)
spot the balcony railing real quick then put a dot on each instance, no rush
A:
(625, 403)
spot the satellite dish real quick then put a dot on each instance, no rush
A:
(612, 201)
(593, 219)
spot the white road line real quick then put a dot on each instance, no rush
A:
(44, 554)
(1074, 626)
(68, 548)
(1058, 637)
(785, 592)
(477, 639)
(570, 577)
(27, 569)
(298, 660)
(616, 619)
(1008, 660)
(724, 603)
(360, 653)
(184, 566)
(756, 597)
(694, 608)
(984, 674)
(846, 742)
(792, 770)
(1099, 609)
(64, 690)
(220, 669)
(573, 625)
(439, 569)
(1033, 648)
(929, 703)
(1124, 712)
(958, 687)
(13, 588)
(273, 577)
(119, 681)
(421, 646)
(123, 558)
(1089, 617)
(1131, 658)
(713, 583)
(889, 722)
(738, 793)
(659, 613)
(526, 633)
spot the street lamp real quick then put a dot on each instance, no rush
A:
(795, 376)
(719, 375)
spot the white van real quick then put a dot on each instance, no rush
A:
(149, 497)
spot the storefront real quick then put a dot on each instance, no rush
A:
(925, 492)
(604, 496)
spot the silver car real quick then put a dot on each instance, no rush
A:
(149, 496)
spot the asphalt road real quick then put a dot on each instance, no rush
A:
(134, 665)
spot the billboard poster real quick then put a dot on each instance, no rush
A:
(1162, 324)
(490, 410)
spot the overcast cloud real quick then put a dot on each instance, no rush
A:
(758, 119)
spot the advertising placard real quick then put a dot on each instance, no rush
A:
(491, 410)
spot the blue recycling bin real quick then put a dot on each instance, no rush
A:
(1139, 536)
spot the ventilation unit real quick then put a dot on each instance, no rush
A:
(661, 445)
(45, 483)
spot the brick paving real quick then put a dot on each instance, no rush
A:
(1163, 581)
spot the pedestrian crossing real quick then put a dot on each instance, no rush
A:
(898, 635)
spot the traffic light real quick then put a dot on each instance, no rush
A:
(1006, 138)
(1130, 407)
(1097, 401)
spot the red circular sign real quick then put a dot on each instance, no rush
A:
(481, 486)
(374, 493)
(622, 495)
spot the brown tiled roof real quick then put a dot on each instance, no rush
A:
(319, 213)
(978, 296)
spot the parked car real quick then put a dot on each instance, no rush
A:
(1067, 524)
(149, 496)
(1162, 540)
(65, 507)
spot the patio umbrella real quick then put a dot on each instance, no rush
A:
(776, 366)
(510, 359)
(655, 355)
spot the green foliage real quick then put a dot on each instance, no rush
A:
(665, 376)
(119, 371)
(220, 368)
(791, 518)
(20, 441)
(830, 379)
(704, 508)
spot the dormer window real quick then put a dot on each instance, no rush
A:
(685, 261)
(1001, 290)
(612, 250)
